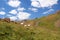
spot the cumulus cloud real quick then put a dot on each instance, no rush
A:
(19, 15)
(20, 9)
(2, 13)
(35, 4)
(13, 12)
(14, 3)
(50, 10)
(13, 18)
(33, 9)
(43, 3)
(23, 15)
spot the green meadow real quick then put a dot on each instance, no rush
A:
(44, 28)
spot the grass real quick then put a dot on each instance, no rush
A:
(45, 30)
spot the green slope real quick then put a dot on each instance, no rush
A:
(51, 21)
(45, 28)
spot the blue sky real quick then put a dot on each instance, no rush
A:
(27, 9)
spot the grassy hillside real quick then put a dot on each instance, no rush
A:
(45, 28)
(51, 21)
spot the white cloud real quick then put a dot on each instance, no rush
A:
(13, 18)
(35, 4)
(43, 3)
(20, 9)
(14, 3)
(20, 16)
(50, 10)
(23, 15)
(2, 13)
(13, 12)
(33, 9)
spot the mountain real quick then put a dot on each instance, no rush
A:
(45, 28)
